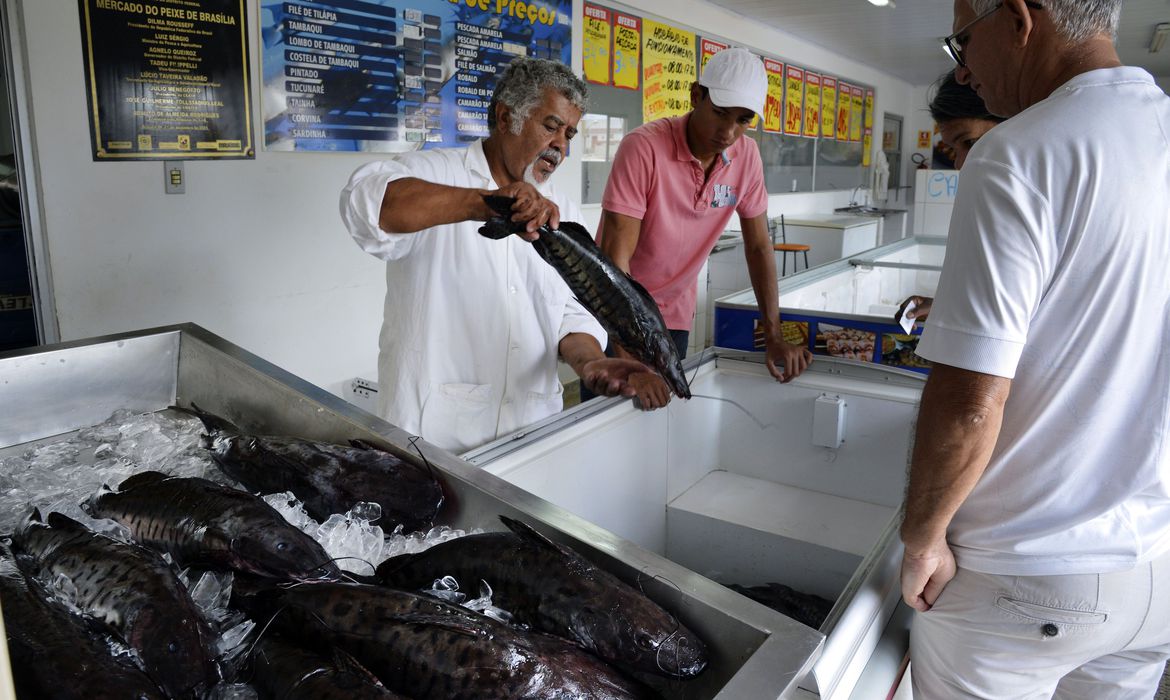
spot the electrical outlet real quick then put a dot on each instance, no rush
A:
(363, 393)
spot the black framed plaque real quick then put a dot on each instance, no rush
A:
(167, 79)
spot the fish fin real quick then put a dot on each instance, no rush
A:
(60, 521)
(386, 569)
(496, 229)
(136, 480)
(529, 534)
(500, 204)
(346, 663)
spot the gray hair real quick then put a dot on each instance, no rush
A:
(522, 87)
(1075, 20)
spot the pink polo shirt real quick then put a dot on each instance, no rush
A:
(656, 179)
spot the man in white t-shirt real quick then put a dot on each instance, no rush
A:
(1037, 525)
(472, 326)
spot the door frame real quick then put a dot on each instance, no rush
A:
(24, 141)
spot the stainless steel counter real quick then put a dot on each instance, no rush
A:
(756, 653)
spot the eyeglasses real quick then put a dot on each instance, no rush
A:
(954, 43)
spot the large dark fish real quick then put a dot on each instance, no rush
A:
(282, 670)
(427, 649)
(554, 589)
(199, 522)
(130, 590)
(55, 655)
(623, 307)
(328, 478)
(805, 608)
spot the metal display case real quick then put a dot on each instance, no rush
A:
(48, 392)
(751, 482)
(844, 309)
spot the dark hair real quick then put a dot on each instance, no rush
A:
(953, 100)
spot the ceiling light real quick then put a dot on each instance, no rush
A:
(1158, 39)
(882, 3)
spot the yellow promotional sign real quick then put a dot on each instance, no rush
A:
(844, 102)
(774, 102)
(707, 49)
(595, 44)
(856, 108)
(627, 51)
(793, 100)
(812, 104)
(869, 108)
(668, 69)
(866, 145)
(828, 106)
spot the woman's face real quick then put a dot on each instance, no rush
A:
(960, 135)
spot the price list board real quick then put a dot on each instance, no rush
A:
(382, 76)
(167, 79)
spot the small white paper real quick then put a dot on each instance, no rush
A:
(907, 323)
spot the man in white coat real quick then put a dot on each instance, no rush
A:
(473, 327)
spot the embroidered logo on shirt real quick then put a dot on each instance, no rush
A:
(724, 196)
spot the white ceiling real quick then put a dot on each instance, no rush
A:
(904, 41)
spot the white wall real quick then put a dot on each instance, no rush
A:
(255, 251)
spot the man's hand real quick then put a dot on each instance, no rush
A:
(610, 376)
(925, 573)
(794, 358)
(531, 207)
(652, 392)
(920, 311)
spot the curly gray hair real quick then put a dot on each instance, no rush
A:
(1075, 20)
(522, 86)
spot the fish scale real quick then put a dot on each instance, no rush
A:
(554, 589)
(624, 308)
(129, 589)
(200, 522)
(55, 654)
(430, 650)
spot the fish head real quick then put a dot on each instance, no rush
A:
(174, 651)
(282, 553)
(636, 632)
(664, 356)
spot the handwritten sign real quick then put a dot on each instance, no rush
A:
(828, 106)
(793, 100)
(866, 146)
(668, 69)
(869, 108)
(595, 44)
(627, 51)
(774, 102)
(708, 48)
(855, 111)
(812, 104)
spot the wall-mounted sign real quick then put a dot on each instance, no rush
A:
(793, 100)
(828, 106)
(774, 102)
(856, 108)
(668, 69)
(844, 109)
(627, 51)
(812, 104)
(707, 49)
(388, 76)
(167, 79)
(595, 53)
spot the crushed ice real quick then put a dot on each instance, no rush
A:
(59, 475)
(447, 588)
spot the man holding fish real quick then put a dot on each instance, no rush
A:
(473, 327)
(673, 187)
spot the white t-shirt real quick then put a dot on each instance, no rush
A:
(1058, 274)
(468, 348)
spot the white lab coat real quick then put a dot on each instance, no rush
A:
(468, 348)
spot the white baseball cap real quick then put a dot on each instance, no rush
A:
(735, 78)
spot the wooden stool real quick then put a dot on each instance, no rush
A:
(784, 247)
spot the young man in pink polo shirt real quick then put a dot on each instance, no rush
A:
(673, 187)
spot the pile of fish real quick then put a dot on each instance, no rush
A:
(91, 615)
(623, 307)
